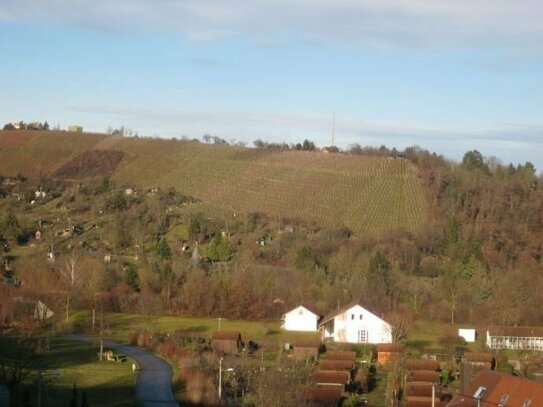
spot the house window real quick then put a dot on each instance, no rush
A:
(352, 316)
(361, 317)
(362, 336)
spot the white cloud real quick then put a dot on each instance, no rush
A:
(432, 24)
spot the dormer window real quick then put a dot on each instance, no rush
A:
(503, 400)
(478, 395)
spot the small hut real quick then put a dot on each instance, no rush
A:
(422, 364)
(326, 378)
(341, 355)
(227, 342)
(389, 352)
(336, 365)
(427, 376)
(306, 348)
(322, 396)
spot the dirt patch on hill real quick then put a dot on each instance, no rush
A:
(90, 164)
(16, 137)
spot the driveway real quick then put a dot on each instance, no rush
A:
(154, 381)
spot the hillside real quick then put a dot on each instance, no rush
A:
(360, 192)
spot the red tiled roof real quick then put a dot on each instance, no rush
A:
(498, 388)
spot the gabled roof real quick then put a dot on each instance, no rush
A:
(336, 365)
(307, 343)
(428, 376)
(310, 309)
(341, 310)
(521, 331)
(330, 377)
(517, 390)
(226, 336)
(341, 355)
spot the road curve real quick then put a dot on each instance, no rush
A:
(154, 381)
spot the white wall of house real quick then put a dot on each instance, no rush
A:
(300, 319)
(467, 333)
(358, 325)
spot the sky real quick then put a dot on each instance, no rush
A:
(446, 75)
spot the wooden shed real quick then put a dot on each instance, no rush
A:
(421, 364)
(486, 360)
(424, 402)
(340, 355)
(326, 378)
(336, 365)
(416, 389)
(306, 348)
(322, 396)
(389, 352)
(227, 342)
(428, 376)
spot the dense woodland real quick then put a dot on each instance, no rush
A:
(477, 260)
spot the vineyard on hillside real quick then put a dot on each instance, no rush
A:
(366, 194)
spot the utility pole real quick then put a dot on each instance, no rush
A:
(334, 128)
(101, 330)
(220, 379)
(433, 394)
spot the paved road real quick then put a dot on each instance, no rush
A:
(154, 381)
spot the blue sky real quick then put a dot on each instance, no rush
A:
(448, 76)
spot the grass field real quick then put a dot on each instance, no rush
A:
(107, 384)
(366, 194)
(120, 325)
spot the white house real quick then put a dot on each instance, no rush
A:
(300, 319)
(354, 323)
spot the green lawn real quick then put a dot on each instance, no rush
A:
(119, 326)
(73, 362)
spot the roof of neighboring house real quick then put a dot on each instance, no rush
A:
(521, 331)
(341, 310)
(340, 355)
(498, 387)
(226, 336)
(423, 376)
(330, 377)
(336, 365)
(307, 343)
